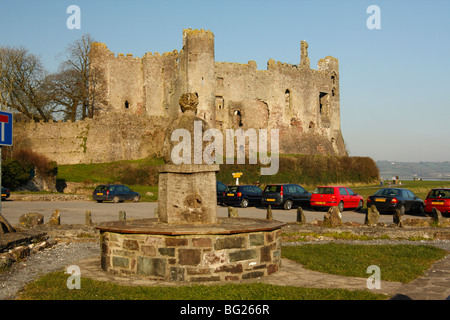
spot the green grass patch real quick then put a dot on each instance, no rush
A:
(142, 171)
(304, 236)
(53, 287)
(402, 263)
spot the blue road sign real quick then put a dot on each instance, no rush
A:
(6, 128)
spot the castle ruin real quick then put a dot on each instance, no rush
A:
(140, 97)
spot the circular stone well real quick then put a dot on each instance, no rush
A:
(231, 249)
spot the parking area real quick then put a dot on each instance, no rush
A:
(73, 212)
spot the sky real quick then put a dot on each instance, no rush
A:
(394, 81)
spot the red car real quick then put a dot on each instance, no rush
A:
(438, 198)
(330, 196)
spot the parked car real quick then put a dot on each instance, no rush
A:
(340, 196)
(220, 188)
(285, 195)
(115, 193)
(5, 193)
(389, 199)
(244, 195)
(438, 198)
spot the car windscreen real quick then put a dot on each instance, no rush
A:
(439, 193)
(101, 189)
(387, 192)
(324, 190)
(232, 189)
(272, 189)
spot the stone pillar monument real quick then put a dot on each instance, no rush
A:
(187, 192)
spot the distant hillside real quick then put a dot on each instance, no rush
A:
(408, 170)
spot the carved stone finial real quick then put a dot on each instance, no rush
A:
(188, 101)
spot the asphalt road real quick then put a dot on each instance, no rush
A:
(73, 212)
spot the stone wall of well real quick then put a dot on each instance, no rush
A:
(192, 258)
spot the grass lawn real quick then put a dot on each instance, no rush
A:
(397, 263)
(53, 287)
(402, 263)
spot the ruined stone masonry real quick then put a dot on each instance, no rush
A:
(141, 97)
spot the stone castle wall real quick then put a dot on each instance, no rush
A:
(105, 139)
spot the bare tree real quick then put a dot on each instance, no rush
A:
(74, 85)
(22, 83)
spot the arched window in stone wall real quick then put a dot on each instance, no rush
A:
(127, 104)
(333, 77)
(237, 118)
(287, 98)
(219, 102)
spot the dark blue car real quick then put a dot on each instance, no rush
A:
(242, 195)
(115, 193)
(220, 188)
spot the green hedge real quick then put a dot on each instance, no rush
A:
(306, 170)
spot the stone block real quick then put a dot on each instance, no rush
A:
(148, 250)
(230, 269)
(254, 274)
(130, 244)
(154, 240)
(201, 242)
(229, 243)
(187, 194)
(256, 239)
(205, 279)
(189, 257)
(151, 266)
(167, 251)
(242, 255)
(121, 262)
(176, 242)
(265, 254)
(214, 257)
(271, 268)
(177, 273)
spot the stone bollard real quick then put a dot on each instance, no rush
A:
(269, 215)
(5, 226)
(55, 219)
(436, 216)
(301, 216)
(332, 218)
(397, 217)
(88, 218)
(122, 216)
(232, 212)
(372, 216)
(31, 219)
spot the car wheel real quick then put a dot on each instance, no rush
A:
(421, 210)
(360, 205)
(99, 201)
(244, 203)
(136, 199)
(288, 205)
(341, 206)
(115, 199)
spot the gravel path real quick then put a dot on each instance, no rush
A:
(49, 260)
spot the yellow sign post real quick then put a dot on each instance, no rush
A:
(237, 175)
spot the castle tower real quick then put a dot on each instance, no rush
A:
(197, 72)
